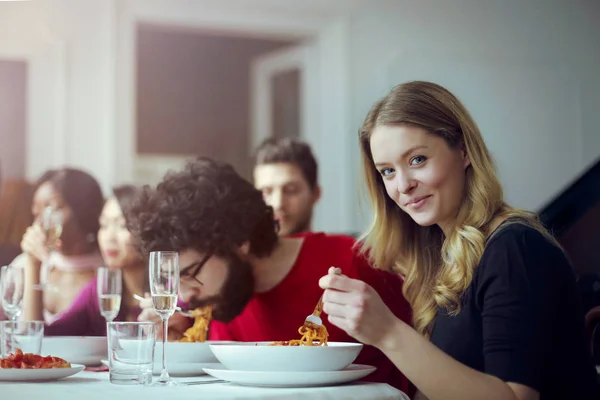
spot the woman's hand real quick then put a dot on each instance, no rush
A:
(33, 243)
(177, 322)
(355, 307)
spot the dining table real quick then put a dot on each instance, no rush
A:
(88, 385)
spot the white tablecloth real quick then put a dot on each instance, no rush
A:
(96, 386)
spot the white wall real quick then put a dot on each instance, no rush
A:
(68, 46)
(261, 18)
(527, 71)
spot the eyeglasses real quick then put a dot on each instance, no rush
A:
(190, 273)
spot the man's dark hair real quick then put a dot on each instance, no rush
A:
(206, 207)
(289, 150)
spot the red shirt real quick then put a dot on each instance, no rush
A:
(278, 313)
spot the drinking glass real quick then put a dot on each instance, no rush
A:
(131, 352)
(12, 281)
(51, 222)
(110, 282)
(24, 335)
(52, 225)
(164, 288)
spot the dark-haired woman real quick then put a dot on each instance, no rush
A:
(61, 258)
(83, 316)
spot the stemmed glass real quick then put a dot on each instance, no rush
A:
(51, 222)
(52, 225)
(110, 284)
(164, 288)
(12, 280)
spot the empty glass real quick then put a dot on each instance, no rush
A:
(24, 335)
(131, 352)
(12, 280)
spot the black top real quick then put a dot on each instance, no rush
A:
(521, 318)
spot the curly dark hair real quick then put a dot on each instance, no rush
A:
(206, 207)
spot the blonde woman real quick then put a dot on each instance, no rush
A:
(495, 308)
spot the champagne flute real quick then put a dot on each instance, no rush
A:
(52, 224)
(164, 288)
(110, 283)
(12, 280)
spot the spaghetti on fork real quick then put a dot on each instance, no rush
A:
(311, 336)
(198, 332)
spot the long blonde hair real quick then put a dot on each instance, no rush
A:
(437, 270)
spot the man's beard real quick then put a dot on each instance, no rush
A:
(300, 226)
(236, 293)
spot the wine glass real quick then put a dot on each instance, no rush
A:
(164, 288)
(110, 283)
(12, 280)
(52, 225)
(51, 222)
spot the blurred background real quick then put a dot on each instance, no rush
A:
(127, 89)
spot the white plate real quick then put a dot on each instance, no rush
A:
(292, 379)
(259, 356)
(86, 350)
(37, 375)
(182, 369)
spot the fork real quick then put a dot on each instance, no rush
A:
(313, 321)
(178, 309)
(204, 382)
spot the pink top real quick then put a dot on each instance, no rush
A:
(80, 263)
(83, 318)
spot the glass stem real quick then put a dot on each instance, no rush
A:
(164, 374)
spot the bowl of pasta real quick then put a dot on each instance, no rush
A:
(86, 350)
(193, 347)
(310, 352)
(185, 352)
(265, 356)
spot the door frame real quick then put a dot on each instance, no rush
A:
(330, 35)
(262, 70)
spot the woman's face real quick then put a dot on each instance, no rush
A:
(421, 173)
(45, 197)
(114, 238)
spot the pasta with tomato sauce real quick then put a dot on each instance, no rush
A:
(198, 332)
(310, 336)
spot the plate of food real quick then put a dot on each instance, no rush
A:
(30, 367)
(311, 352)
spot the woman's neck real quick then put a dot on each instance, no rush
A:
(79, 249)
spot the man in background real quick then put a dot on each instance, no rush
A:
(286, 173)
